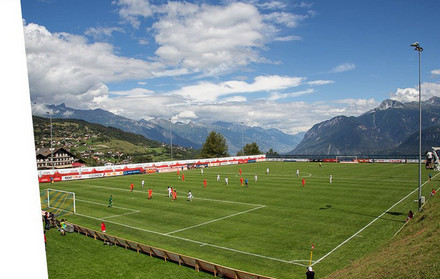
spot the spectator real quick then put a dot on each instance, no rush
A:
(410, 216)
(46, 221)
(310, 273)
(63, 227)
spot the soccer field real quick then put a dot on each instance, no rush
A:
(267, 228)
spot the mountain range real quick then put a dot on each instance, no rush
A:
(184, 134)
(391, 128)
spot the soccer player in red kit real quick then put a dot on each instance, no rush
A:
(103, 227)
(241, 181)
(204, 182)
(174, 195)
(183, 177)
(131, 187)
(303, 182)
(150, 194)
(239, 171)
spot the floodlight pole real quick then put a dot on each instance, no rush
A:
(419, 49)
(242, 135)
(51, 141)
(171, 139)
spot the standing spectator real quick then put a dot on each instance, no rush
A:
(46, 221)
(410, 216)
(63, 227)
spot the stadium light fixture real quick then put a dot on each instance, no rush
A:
(419, 49)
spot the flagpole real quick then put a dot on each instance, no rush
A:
(311, 255)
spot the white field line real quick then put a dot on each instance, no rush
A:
(132, 211)
(201, 243)
(195, 241)
(215, 220)
(377, 218)
(137, 191)
(414, 213)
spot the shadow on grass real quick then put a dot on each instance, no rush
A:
(328, 206)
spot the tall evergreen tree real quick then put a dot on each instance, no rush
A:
(214, 146)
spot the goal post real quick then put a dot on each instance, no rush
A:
(58, 201)
(347, 159)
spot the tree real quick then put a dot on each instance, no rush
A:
(272, 153)
(250, 149)
(214, 146)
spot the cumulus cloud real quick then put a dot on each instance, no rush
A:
(411, 94)
(209, 92)
(66, 68)
(132, 10)
(435, 72)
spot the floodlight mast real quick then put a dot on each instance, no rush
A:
(419, 49)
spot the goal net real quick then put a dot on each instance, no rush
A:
(346, 159)
(57, 201)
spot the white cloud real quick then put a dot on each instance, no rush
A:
(435, 72)
(65, 68)
(320, 82)
(210, 92)
(101, 32)
(411, 94)
(343, 68)
(132, 10)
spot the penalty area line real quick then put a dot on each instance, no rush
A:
(214, 220)
(199, 242)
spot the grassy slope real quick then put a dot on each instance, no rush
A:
(413, 253)
(78, 256)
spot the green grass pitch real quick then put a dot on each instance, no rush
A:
(267, 228)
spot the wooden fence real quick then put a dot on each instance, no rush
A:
(197, 264)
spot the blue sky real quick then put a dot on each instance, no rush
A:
(275, 64)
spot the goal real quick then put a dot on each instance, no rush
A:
(57, 201)
(346, 159)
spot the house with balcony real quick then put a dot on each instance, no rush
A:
(57, 158)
